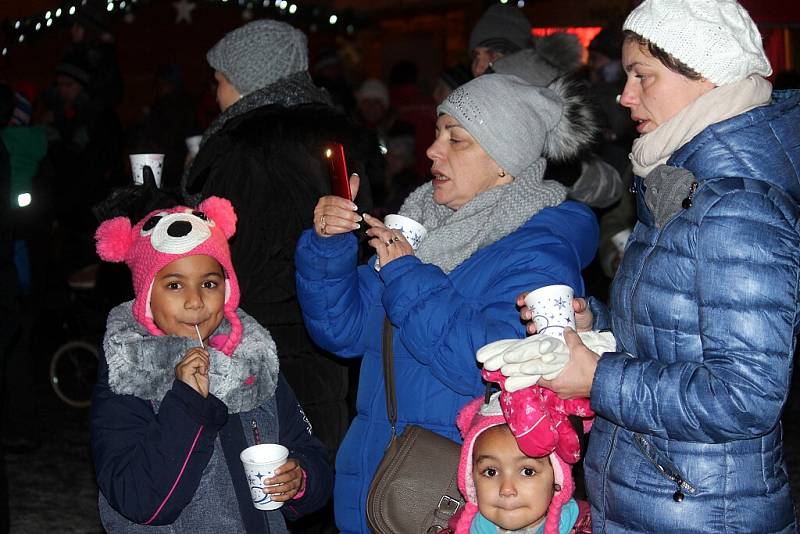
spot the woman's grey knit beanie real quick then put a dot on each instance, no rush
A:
(259, 54)
(517, 123)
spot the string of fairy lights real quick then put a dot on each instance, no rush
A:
(17, 32)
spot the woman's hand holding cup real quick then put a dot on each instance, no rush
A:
(389, 244)
(335, 215)
(583, 314)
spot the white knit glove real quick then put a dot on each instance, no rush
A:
(524, 361)
(491, 355)
(529, 359)
(599, 342)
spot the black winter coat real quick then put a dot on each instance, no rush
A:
(270, 163)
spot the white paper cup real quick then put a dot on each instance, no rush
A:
(620, 239)
(193, 145)
(413, 231)
(260, 462)
(138, 161)
(551, 307)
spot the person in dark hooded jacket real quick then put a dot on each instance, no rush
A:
(265, 153)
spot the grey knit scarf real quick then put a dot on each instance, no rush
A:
(455, 235)
(143, 365)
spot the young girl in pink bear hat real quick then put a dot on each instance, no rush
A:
(186, 382)
(515, 470)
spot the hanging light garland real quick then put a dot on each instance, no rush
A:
(17, 32)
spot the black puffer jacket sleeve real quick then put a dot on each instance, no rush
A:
(296, 435)
(149, 464)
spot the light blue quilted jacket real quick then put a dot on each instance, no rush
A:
(688, 437)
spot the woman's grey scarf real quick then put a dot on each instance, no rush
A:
(455, 235)
(143, 365)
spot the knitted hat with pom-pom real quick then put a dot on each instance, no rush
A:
(517, 123)
(164, 236)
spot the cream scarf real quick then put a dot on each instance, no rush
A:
(721, 103)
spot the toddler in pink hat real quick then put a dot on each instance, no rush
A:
(515, 470)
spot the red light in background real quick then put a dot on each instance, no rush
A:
(585, 33)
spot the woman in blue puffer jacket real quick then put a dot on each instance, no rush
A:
(494, 228)
(705, 306)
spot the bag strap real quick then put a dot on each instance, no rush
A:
(388, 375)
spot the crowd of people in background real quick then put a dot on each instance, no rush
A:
(534, 161)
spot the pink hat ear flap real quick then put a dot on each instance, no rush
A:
(466, 415)
(220, 210)
(114, 239)
(227, 343)
(465, 519)
(562, 475)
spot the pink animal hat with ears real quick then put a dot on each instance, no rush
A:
(164, 236)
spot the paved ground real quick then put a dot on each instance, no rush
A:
(54, 485)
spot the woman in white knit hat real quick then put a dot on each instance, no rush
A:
(705, 305)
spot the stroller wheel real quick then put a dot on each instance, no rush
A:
(73, 372)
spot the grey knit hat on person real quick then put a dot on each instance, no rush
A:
(552, 56)
(517, 123)
(715, 38)
(501, 27)
(259, 54)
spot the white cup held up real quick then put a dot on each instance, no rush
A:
(413, 231)
(154, 161)
(551, 308)
(260, 463)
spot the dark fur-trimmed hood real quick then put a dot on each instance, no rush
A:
(282, 138)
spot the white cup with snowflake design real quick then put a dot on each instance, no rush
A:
(260, 463)
(551, 309)
(413, 231)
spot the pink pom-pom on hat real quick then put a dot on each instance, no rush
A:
(164, 236)
(114, 239)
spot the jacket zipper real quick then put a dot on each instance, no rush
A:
(682, 484)
(668, 474)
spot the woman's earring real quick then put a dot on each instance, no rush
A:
(619, 97)
(557, 487)
(502, 173)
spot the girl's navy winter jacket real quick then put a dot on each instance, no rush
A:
(175, 462)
